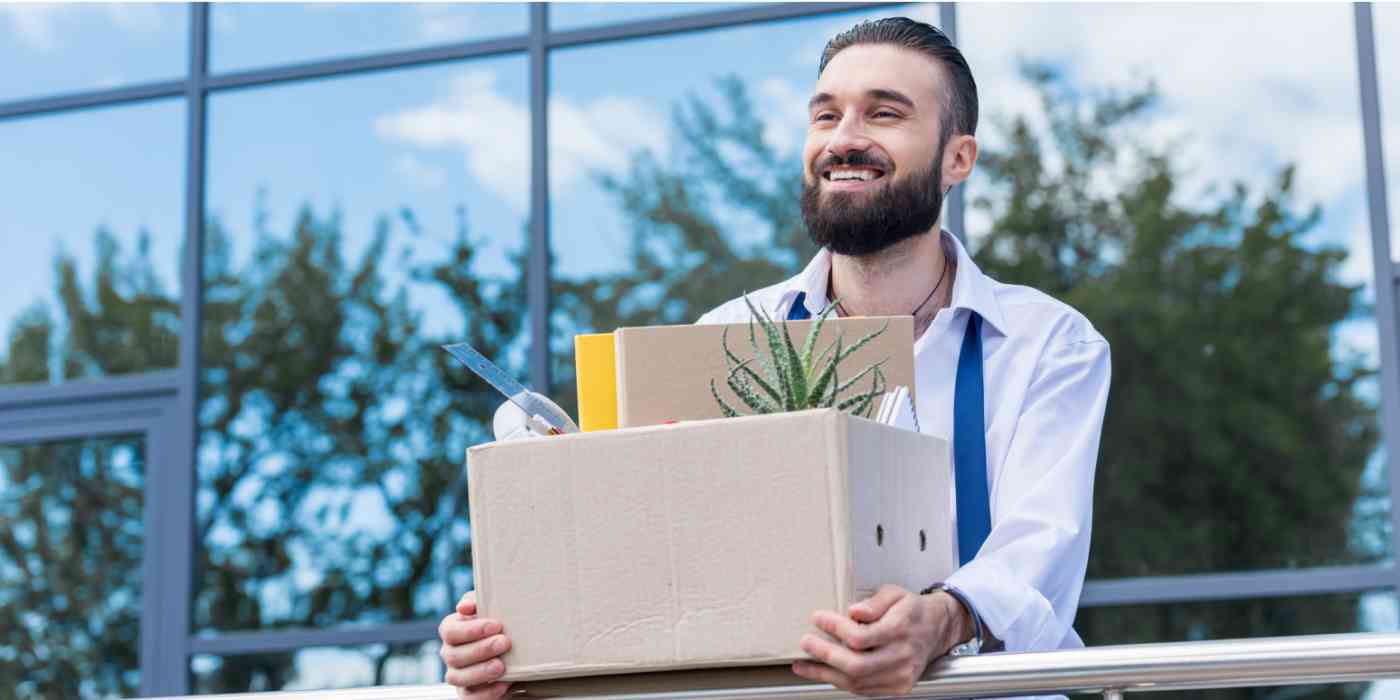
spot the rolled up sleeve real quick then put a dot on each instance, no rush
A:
(1026, 580)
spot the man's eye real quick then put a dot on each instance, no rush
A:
(823, 117)
(885, 113)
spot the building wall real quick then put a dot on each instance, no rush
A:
(233, 236)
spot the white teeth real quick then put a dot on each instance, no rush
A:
(863, 175)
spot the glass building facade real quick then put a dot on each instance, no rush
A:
(231, 456)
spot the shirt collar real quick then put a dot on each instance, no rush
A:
(972, 290)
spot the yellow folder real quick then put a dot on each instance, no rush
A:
(595, 371)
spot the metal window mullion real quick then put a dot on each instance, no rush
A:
(1237, 585)
(334, 67)
(948, 21)
(718, 19)
(93, 98)
(262, 642)
(640, 29)
(177, 476)
(537, 268)
(1382, 265)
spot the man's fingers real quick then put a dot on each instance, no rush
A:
(874, 607)
(493, 691)
(855, 664)
(466, 605)
(855, 635)
(464, 655)
(476, 674)
(822, 673)
(459, 631)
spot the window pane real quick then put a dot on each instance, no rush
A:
(92, 225)
(70, 567)
(317, 668)
(50, 48)
(1242, 427)
(572, 15)
(1241, 619)
(355, 225)
(1385, 22)
(255, 35)
(656, 220)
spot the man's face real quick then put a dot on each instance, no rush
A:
(872, 160)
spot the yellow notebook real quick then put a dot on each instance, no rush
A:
(595, 370)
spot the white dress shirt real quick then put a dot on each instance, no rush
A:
(1046, 376)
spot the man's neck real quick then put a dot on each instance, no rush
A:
(894, 281)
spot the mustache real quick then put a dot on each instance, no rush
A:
(852, 159)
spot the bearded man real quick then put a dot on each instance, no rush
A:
(1015, 380)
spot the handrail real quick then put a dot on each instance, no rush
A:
(1110, 670)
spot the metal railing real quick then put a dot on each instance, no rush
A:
(1111, 670)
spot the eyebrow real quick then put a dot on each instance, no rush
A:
(877, 94)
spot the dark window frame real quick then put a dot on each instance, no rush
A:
(161, 405)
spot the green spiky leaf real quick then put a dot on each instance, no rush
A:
(796, 379)
(743, 365)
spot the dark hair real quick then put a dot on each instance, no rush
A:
(960, 97)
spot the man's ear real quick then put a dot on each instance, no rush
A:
(959, 157)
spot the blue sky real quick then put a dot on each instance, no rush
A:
(1245, 89)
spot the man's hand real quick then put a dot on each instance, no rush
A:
(886, 642)
(470, 645)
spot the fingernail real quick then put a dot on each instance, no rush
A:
(493, 627)
(499, 645)
(497, 666)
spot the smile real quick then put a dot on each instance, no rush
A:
(842, 173)
(844, 177)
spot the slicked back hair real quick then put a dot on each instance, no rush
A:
(959, 95)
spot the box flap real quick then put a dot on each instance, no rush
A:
(664, 372)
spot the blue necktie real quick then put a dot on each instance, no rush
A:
(969, 437)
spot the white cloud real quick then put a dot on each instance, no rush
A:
(39, 25)
(492, 132)
(33, 23)
(135, 17)
(445, 21)
(422, 175)
(1247, 90)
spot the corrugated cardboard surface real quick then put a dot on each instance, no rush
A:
(698, 545)
(664, 372)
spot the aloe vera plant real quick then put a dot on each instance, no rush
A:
(793, 379)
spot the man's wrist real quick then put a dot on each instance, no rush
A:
(961, 626)
(956, 625)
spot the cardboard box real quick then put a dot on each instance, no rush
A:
(701, 544)
(664, 372)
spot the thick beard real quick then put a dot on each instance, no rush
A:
(866, 223)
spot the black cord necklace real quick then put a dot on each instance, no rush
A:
(915, 312)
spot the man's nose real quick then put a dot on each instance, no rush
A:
(848, 137)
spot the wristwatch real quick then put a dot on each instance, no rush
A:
(972, 646)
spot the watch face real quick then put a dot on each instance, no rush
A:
(964, 649)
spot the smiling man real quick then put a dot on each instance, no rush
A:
(1016, 380)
